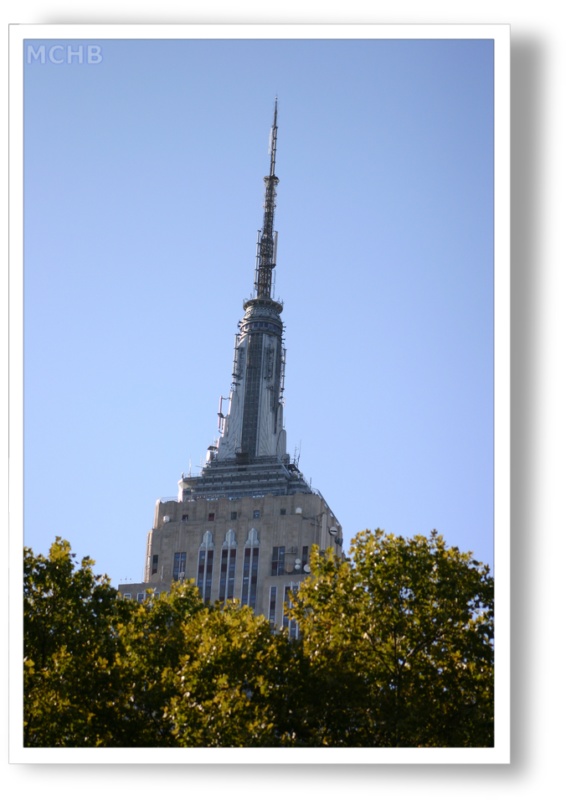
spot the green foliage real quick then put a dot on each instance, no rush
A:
(396, 650)
(228, 687)
(400, 644)
(153, 641)
(71, 680)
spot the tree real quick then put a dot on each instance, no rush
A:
(396, 650)
(153, 640)
(103, 671)
(399, 643)
(71, 676)
(97, 667)
(232, 683)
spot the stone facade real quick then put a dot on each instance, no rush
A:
(249, 548)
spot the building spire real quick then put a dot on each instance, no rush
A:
(273, 142)
(267, 237)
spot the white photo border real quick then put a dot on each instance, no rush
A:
(500, 35)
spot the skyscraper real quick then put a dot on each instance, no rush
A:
(245, 526)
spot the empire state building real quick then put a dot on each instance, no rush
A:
(244, 528)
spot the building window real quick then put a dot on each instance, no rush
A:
(227, 566)
(305, 555)
(233, 515)
(211, 516)
(204, 569)
(282, 511)
(278, 561)
(185, 517)
(141, 596)
(204, 574)
(290, 624)
(179, 566)
(272, 604)
(227, 573)
(154, 561)
(127, 596)
(256, 513)
(249, 580)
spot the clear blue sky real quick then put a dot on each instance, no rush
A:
(143, 195)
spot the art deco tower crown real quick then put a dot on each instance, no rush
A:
(254, 425)
(245, 527)
(251, 432)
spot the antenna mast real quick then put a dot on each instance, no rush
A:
(267, 237)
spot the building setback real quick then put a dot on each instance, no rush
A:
(245, 527)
